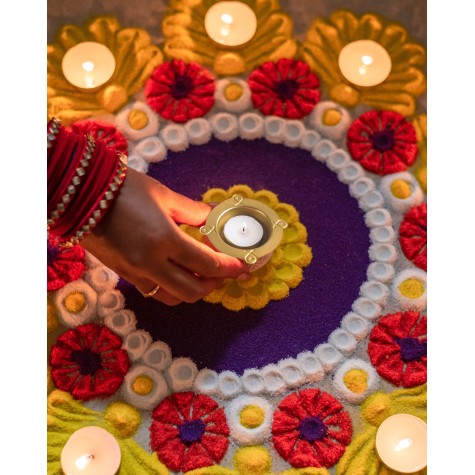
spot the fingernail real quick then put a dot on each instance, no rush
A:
(243, 277)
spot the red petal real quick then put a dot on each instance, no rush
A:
(195, 457)
(172, 454)
(284, 443)
(216, 446)
(161, 433)
(167, 412)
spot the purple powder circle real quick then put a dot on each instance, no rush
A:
(191, 431)
(312, 429)
(221, 339)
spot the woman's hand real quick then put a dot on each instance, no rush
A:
(140, 240)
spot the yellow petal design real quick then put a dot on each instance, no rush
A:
(186, 37)
(135, 59)
(406, 81)
(283, 272)
(66, 415)
(360, 457)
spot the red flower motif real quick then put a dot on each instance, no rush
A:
(102, 131)
(413, 236)
(88, 362)
(180, 91)
(65, 264)
(310, 429)
(286, 88)
(398, 348)
(189, 431)
(383, 142)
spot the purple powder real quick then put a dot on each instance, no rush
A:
(220, 339)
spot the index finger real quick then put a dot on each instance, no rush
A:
(201, 259)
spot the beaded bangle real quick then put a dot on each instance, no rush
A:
(93, 218)
(83, 180)
(53, 129)
(75, 182)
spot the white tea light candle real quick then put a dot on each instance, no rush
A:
(243, 231)
(91, 451)
(88, 65)
(230, 23)
(364, 63)
(401, 443)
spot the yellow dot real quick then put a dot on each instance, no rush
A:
(233, 92)
(401, 189)
(138, 119)
(356, 380)
(75, 302)
(142, 385)
(412, 288)
(123, 418)
(252, 416)
(331, 117)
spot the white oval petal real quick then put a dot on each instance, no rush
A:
(181, 374)
(323, 149)
(151, 149)
(121, 322)
(158, 356)
(225, 126)
(206, 382)
(310, 366)
(343, 341)
(252, 381)
(251, 126)
(381, 271)
(293, 133)
(358, 326)
(199, 131)
(328, 355)
(174, 137)
(274, 128)
(229, 385)
(136, 343)
(291, 372)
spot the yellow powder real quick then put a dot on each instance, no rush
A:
(401, 189)
(233, 92)
(142, 385)
(412, 288)
(356, 380)
(251, 416)
(75, 302)
(138, 119)
(331, 117)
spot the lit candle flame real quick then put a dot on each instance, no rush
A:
(403, 444)
(227, 18)
(83, 461)
(367, 60)
(88, 66)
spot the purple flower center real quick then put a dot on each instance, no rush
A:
(412, 349)
(192, 431)
(383, 140)
(286, 88)
(88, 361)
(52, 254)
(312, 429)
(182, 87)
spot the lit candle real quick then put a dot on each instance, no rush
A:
(243, 231)
(244, 228)
(401, 443)
(364, 63)
(88, 65)
(230, 23)
(91, 451)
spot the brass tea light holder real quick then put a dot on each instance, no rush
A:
(267, 224)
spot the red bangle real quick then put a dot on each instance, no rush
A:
(84, 177)
(77, 169)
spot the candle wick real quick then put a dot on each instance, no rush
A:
(243, 228)
(83, 461)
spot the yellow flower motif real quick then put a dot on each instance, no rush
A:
(66, 416)
(135, 58)
(360, 457)
(407, 80)
(254, 460)
(186, 37)
(283, 272)
(420, 167)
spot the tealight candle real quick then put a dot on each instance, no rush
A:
(244, 228)
(243, 231)
(364, 63)
(401, 443)
(91, 451)
(88, 65)
(230, 23)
